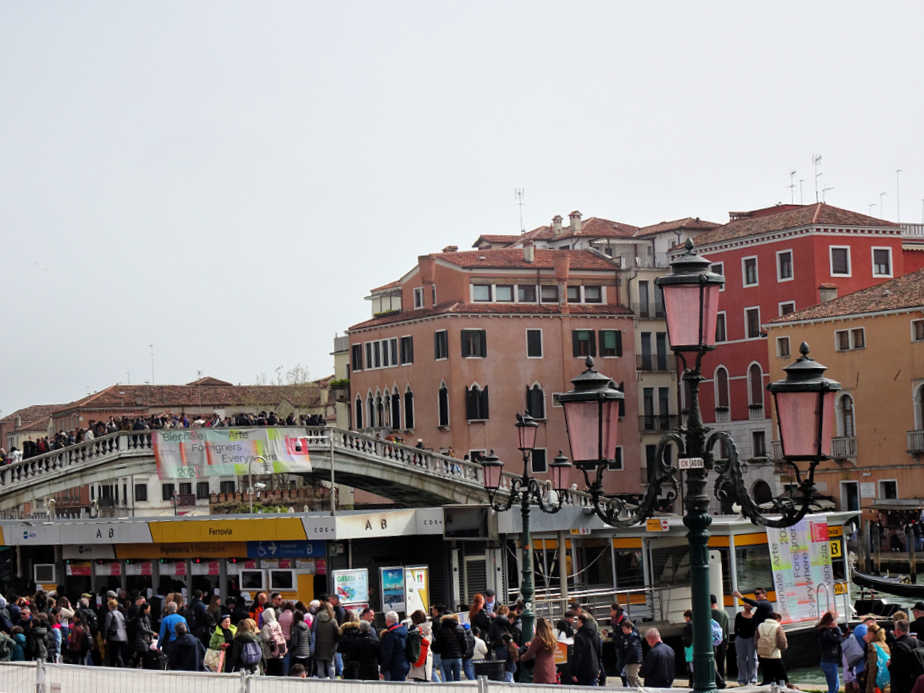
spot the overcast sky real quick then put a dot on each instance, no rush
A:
(226, 180)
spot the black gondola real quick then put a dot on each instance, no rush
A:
(881, 584)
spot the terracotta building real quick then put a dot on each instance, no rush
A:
(778, 261)
(872, 342)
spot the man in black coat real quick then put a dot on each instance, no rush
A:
(762, 606)
(659, 666)
(917, 625)
(588, 653)
(186, 652)
(903, 667)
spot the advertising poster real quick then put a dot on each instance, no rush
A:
(392, 588)
(417, 588)
(800, 558)
(195, 453)
(352, 586)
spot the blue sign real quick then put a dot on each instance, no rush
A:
(286, 549)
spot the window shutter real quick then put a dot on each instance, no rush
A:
(576, 351)
(622, 402)
(619, 342)
(469, 414)
(484, 403)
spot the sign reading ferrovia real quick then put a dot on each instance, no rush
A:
(690, 463)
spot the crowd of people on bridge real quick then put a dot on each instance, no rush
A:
(63, 439)
(276, 637)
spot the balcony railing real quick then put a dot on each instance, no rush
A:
(657, 423)
(916, 442)
(844, 448)
(652, 362)
(648, 310)
(776, 451)
(913, 231)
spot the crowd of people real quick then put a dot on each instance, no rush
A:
(63, 439)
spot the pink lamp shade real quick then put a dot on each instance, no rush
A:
(682, 308)
(492, 468)
(527, 428)
(798, 414)
(560, 472)
(585, 421)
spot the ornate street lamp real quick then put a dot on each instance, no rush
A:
(804, 402)
(526, 490)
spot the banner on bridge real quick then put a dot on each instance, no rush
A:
(194, 453)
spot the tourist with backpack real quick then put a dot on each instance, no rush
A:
(771, 643)
(246, 652)
(395, 663)
(78, 643)
(878, 656)
(418, 647)
(468, 666)
(116, 635)
(907, 659)
(449, 643)
(274, 643)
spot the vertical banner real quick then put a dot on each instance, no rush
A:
(800, 559)
(392, 580)
(352, 586)
(417, 588)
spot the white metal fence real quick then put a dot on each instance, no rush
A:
(25, 677)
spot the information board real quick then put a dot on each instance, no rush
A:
(392, 580)
(352, 586)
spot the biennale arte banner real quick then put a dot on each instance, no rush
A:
(193, 453)
(800, 557)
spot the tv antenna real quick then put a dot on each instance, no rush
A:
(801, 197)
(519, 194)
(151, 347)
(824, 191)
(792, 187)
(898, 194)
(882, 197)
(816, 165)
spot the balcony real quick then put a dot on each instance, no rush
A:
(913, 231)
(776, 451)
(652, 362)
(648, 310)
(844, 448)
(916, 442)
(657, 423)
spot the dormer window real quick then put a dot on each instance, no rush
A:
(481, 293)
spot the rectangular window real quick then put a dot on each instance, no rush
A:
(481, 293)
(615, 464)
(651, 463)
(503, 293)
(474, 343)
(840, 260)
(377, 354)
(141, 492)
(842, 340)
(433, 294)
(166, 492)
(443, 406)
(549, 293)
(787, 307)
(782, 347)
(752, 322)
(718, 268)
(720, 332)
(857, 338)
(643, 299)
(226, 487)
(917, 330)
(645, 338)
(574, 294)
(202, 490)
(784, 265)
(534, 344)
(845, 340)
(418, 297)
(888, 489)
(393, 348)
(749, 271)
(661, 350)
(582, 342)
(441, 344)
(538, 459)
(357, 357)
(186, 488)
(758, 444)
(664, 407)
(407, 350)
(882, 262)
(610, 343)
(526, 293)
(593, 294)
(535, 402)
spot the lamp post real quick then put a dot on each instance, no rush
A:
(250, 476)
(804, 401)
(526, 490)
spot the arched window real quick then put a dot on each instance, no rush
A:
(379, 410)
(721, 388)
(762, 492)
(408, 409)
(370, 402)
(359, 412)
(846, 422)
(535, 401)
(443, 405)
(395, 409)
(755, 385)
(476, 403)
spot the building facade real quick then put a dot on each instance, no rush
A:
(872, 342)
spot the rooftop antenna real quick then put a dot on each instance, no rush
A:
(816, 164)
(519, 194)
(151, 347)
(801, 196)
(825, 190)
(871, 205)
(882, 197)
(898, 195)
(792, 187)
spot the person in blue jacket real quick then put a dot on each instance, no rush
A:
(394, 661)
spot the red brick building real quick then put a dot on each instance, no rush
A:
(465, 340)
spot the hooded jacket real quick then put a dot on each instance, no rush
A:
(326, 636)
(360, 652)
(422, 672)
(449, 642)
(394, 660)
(234, 662)
(274, 642)
(300, 641)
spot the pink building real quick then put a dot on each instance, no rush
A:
(465, 340)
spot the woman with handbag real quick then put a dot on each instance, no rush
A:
(274, 643)
(220, 641)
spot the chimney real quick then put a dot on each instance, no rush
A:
(427, 267)
(529, 252)
(556, 224)
(575, 217)
(826, 292)
(451, 249)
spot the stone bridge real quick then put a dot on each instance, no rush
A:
(404, 474)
